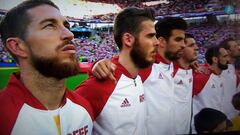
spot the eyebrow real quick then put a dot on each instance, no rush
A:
(48, 20)
(151, 34)
(191, 44)
(65, 22)
(179, 38)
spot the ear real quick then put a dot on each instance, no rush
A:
(228, 51)
(17, 47)
(215, 59)
(128, 39)
(162, 42)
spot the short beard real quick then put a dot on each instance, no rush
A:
(192, 60)
(139, 57)
(171, 56)
(222, 66)
(52, 67)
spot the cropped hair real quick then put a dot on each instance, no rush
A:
(208, 119)
(224, 44)
(165, 26)
(236, 101)
(129, 21)
(187, 35)
(212, 52)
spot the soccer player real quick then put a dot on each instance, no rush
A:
(230, 77)
(183, 82)
(208, 88)
(119, 108)
(158, 78)
(36, 100)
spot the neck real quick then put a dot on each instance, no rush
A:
(215, 69)
(183, 63)
(231, 60)
(126, 61)
(161, 53)
(49, 91)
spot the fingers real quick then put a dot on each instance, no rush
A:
(100, 71)
(111, 77)
(97, 75)
(104, 69)
(113, 67)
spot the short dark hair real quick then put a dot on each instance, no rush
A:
(236, 101)
(15, 22)
(224, 44)
(129, 20)
(208, 119)
(165, 26)
(237, 63)
(212, 52)
(187, 35)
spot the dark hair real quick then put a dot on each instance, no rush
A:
(224, 44)
(237, 63)
(236, 101)
(212, 52)
(165, 26)
(129, 20)
(208, 119)
(15, 22)
(187, 35)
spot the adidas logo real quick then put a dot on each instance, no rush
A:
(213, 86)
(180, 82)
(125, 103)
(160, 76)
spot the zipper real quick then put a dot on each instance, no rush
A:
(135, 82)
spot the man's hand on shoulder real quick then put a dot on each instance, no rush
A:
(104, 69)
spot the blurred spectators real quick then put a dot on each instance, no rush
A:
(4, 55)
(102, 45)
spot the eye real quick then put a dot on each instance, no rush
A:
(67, 26)
(50, 25)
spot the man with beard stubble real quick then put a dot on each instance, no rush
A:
(158, 79)
(230, 77)
(119, 107)
(36, 100)
(183, 82)
(208, 89)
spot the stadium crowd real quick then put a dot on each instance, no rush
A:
(90, 49)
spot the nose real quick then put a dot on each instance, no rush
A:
(156, 41)
(183, 45)
(66, 34)
(196, 47)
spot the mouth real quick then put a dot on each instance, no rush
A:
(154, 52)
(69, 48)
(180, 52)
(195, 54)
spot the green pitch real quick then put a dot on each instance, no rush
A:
(71, 82)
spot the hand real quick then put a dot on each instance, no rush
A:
(104, 69)
(200, 69)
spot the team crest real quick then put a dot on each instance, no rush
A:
(221, 85)
(190, 80)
